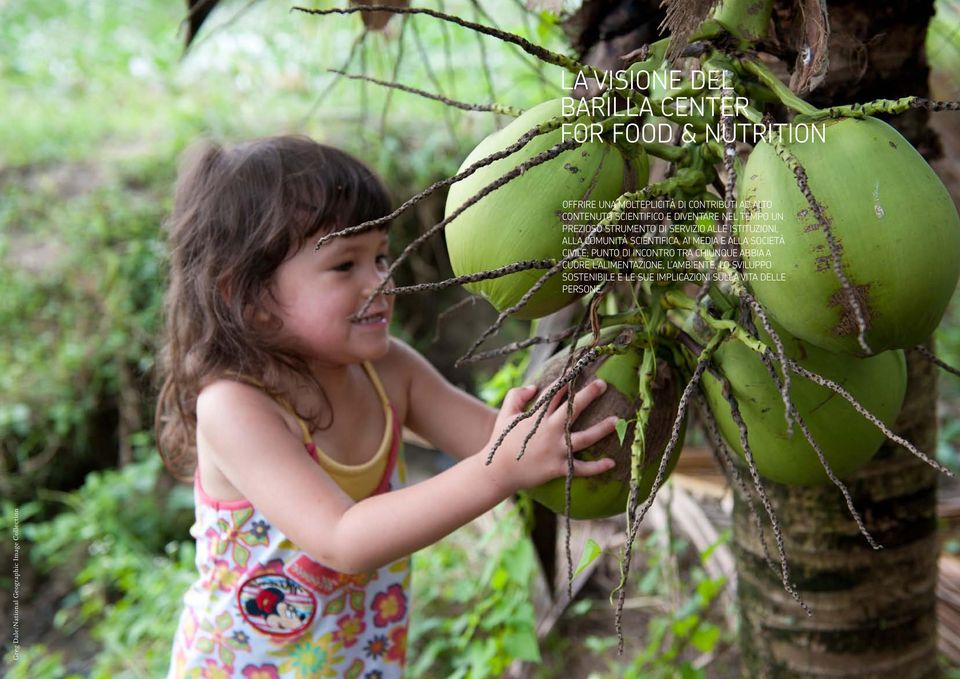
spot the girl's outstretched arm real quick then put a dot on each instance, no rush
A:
(245, 436)
(449, 418)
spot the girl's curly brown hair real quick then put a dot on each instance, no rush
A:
(238, 213)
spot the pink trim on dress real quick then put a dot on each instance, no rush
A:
(227, 505)
(384, 484)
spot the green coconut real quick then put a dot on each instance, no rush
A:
(896, 226)
(524, 219)
(846, 439)
(606, 494)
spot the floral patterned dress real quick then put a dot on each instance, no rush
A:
(262, 609)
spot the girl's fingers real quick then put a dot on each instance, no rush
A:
(587, 437)
(586, 396)
(557, 399)
(592, 467)
(516, 398)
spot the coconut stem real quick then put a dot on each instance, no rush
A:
(638, 449)
(725, 455)
(608, 350)
(729, 155)
(523, 344)
(469, 300)
(544, 399)
(536, 66)
(748, 20)
(783, 385)
(688, 391)
(567, 424)
(568, 484)
(887, 106)
(782, 92)
(668, 152)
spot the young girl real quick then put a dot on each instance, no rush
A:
(289, 412)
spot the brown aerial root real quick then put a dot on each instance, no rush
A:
(870, 417)
(794, 413)
(544, 399)
(568, 480)
(537, 51)
(568, 369)
(933, 358)
(534, 289)
(635, 516)
(758, 485)
(800, 175)
(887, 106)
(568, 443)
(785, 384)
(525, 265)
(469, 300)
(462, 105)
(729, 200)
(436, 186)
(723, 453)
(577, 331)
(523, 344)
(480, 12)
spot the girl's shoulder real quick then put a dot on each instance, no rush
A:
(222, 398)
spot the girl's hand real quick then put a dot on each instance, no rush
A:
(545, 457)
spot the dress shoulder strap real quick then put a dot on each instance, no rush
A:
(377, 384)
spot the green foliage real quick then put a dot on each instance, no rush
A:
(474, 626)
(36, 662)
(80, 339)
(509, 375)
(591, 552)
(682, 623)
(949, 671)
(943, 44)
(117, 534)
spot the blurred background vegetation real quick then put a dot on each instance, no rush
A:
(98, 101)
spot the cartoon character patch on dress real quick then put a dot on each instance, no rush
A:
(276, 605)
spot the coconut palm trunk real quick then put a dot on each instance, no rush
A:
(873, 611)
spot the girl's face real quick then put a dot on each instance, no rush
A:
(317, 292)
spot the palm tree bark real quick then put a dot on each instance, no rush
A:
(873, 611)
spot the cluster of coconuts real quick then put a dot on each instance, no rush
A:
(896, 237)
